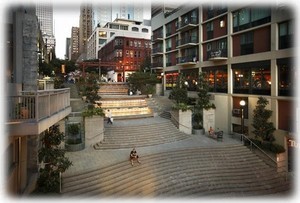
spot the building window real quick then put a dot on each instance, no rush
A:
(250, 17)
(145, 30)
(252, 78)
(286, 77)
(210, 30)
(246, 43)
(102, 34)
(286, 34)
(191, 77)
(113, 26)
(168, 44)
(168, 29)
(123, 27)
(171, 79)
(135, 29)
(217, 79)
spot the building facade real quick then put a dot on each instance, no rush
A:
(74, 44)
(85, 27)
(246, 51)
(120, 27)
(128, 53)
(44, 12)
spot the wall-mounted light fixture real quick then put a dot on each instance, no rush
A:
(222, 23)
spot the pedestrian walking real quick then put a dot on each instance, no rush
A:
(109, 117)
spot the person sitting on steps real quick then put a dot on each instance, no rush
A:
(211, 132)
(134, 156)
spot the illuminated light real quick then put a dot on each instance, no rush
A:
(222, 23)
(242, 103)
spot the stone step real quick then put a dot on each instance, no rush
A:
(220, 170)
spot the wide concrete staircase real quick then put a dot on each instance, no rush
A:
(145, 134)
(113, 89)
(194, 172)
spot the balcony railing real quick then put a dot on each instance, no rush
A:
(157, 50)
(188, 22)
(219, 54)
(157, 64)
(187, 59)
(157, 36)
(187, 40)
(35, 106)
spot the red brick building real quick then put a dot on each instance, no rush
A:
(128, 53)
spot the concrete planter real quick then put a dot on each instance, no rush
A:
(74, 147)
(281, 163)
(94, 129)
(185, 121)
(209, 119)
(198, 131)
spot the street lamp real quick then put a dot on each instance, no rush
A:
(99, 69)
(242, 104)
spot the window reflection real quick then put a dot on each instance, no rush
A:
(252, 78)
(217, 79)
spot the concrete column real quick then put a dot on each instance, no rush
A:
(23, 163)
(30, 58)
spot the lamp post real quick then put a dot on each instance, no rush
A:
(242, 104)
(99, 69)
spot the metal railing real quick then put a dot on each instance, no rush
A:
(261, 151)
(37, 105)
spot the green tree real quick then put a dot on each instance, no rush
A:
(92, 88)
(202, 101)
(263, 128)
(138, 80)
(179, 93)
(53, 157)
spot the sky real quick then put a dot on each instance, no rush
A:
(65, 17)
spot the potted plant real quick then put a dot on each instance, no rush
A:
(150, 90)
(73, 129)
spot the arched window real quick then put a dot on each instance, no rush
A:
(135, 29)
(145, 30)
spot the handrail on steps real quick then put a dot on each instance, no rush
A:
(244, 137)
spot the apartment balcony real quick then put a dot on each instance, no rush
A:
(157, 65)
(31, 113)
(187, 24)
(187, 42)
(187, 60)
(158, 37)
(217, 55)
(157, 51)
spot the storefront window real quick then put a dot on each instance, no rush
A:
(261, 79)
(286, 81)
(191, 77)
(171, 79)
(252, 78)
(217, 79)
(241, 80)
